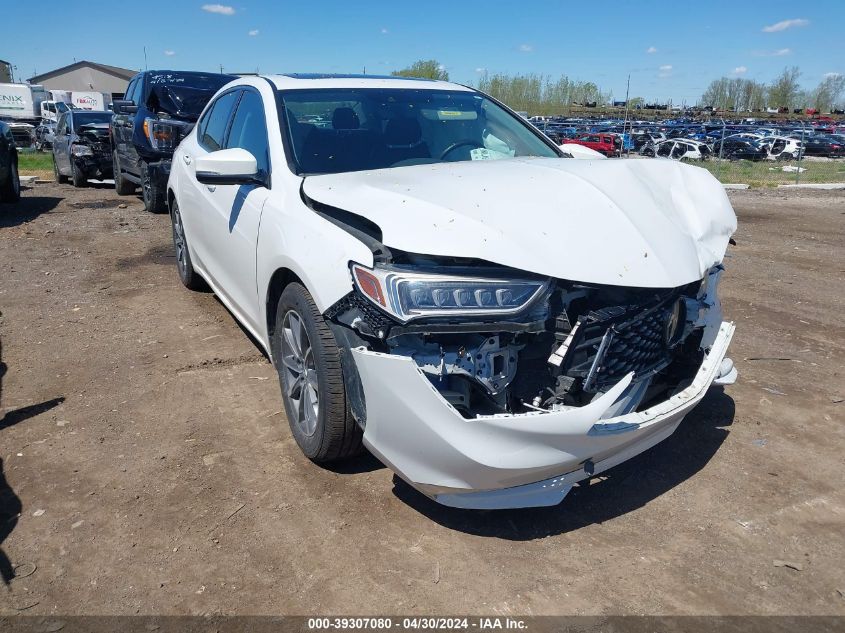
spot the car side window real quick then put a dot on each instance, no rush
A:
(213, 132)
(249, 130)
(62, 125)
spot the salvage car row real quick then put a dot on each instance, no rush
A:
(401, 250)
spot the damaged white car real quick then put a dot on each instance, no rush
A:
(434, 280)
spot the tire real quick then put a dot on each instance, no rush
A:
(309, 365)
(187, 275)
(153, 192)
(78, 178)
(122, 186)
(56, 174)
(11, 190)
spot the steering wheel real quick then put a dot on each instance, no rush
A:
(457, 144)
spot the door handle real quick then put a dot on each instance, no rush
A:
(187, 159)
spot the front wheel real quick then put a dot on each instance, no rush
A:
(153, 192)
(78, 178)
(310, 374)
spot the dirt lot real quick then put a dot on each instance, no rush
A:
(145, 449)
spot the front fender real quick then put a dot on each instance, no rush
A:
(295, 238)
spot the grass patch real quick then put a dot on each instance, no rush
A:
(35, 162)
(771, 174)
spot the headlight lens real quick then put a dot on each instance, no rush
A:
(163, 135)
(409, 295)
(81, 150)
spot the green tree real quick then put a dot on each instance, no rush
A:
(424, 69)
(785, 90)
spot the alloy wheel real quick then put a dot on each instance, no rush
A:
(179, 242)
(299, 373)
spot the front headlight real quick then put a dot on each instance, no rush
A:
(410, 295)
(163, 135)
(81, 150)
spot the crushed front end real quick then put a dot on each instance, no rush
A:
(485, 387)
(91, 151)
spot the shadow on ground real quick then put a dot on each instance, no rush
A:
(26, 209)
(622, 489)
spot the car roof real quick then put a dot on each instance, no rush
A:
(305, 81)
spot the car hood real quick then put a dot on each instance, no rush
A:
(643, 223)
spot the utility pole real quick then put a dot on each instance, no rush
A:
(625, 123)
(145, 59)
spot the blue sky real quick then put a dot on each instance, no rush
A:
(671, 52)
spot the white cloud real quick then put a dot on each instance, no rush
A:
(526, 48)
(481, 69)
(778, 53)
(384, 31)
(253, 32)
(665, 71)
(829, 75)
(222, 9)
(785, 24)
(666, 68)
(170, 53)
(651, 49)
(740, 70)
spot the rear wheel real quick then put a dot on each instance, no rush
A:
(11, 190)
(310, 374)
(122, 186)
(56, 173)
(190, 279)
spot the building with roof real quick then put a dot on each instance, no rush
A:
(86, 76)
(5, 72)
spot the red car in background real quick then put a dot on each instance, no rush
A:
(607, 144)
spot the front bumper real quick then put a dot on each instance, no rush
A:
(98, 166)
(509, 461)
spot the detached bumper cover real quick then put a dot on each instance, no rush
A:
(504, 461)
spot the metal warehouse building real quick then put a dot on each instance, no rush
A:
(86, 76)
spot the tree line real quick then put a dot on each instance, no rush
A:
(541, 94)
(738, 94)
(531, 92)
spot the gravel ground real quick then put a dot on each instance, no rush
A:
(144, 446)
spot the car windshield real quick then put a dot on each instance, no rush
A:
(341, 130)
(86, 118)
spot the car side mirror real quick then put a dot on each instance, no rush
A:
(123, 106)
(234, 166)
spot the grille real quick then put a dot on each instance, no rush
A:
(617, 340)
(375, 318)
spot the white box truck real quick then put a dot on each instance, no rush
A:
(21, 102)
(90, 100)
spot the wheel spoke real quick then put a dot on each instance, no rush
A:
(299, 373)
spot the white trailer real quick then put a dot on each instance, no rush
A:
(90, 100)
(21, 102)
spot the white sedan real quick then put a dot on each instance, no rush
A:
(433, 279)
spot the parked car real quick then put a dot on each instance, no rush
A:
(782, 147)
(82, 147)
(739, 149)
(159, 108)
(10, 182)
(678, 149)
(423, 274)
(603, 143)
(44, 135)
(822, 145)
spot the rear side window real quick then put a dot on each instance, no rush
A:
(213, 130)
(249, 130)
